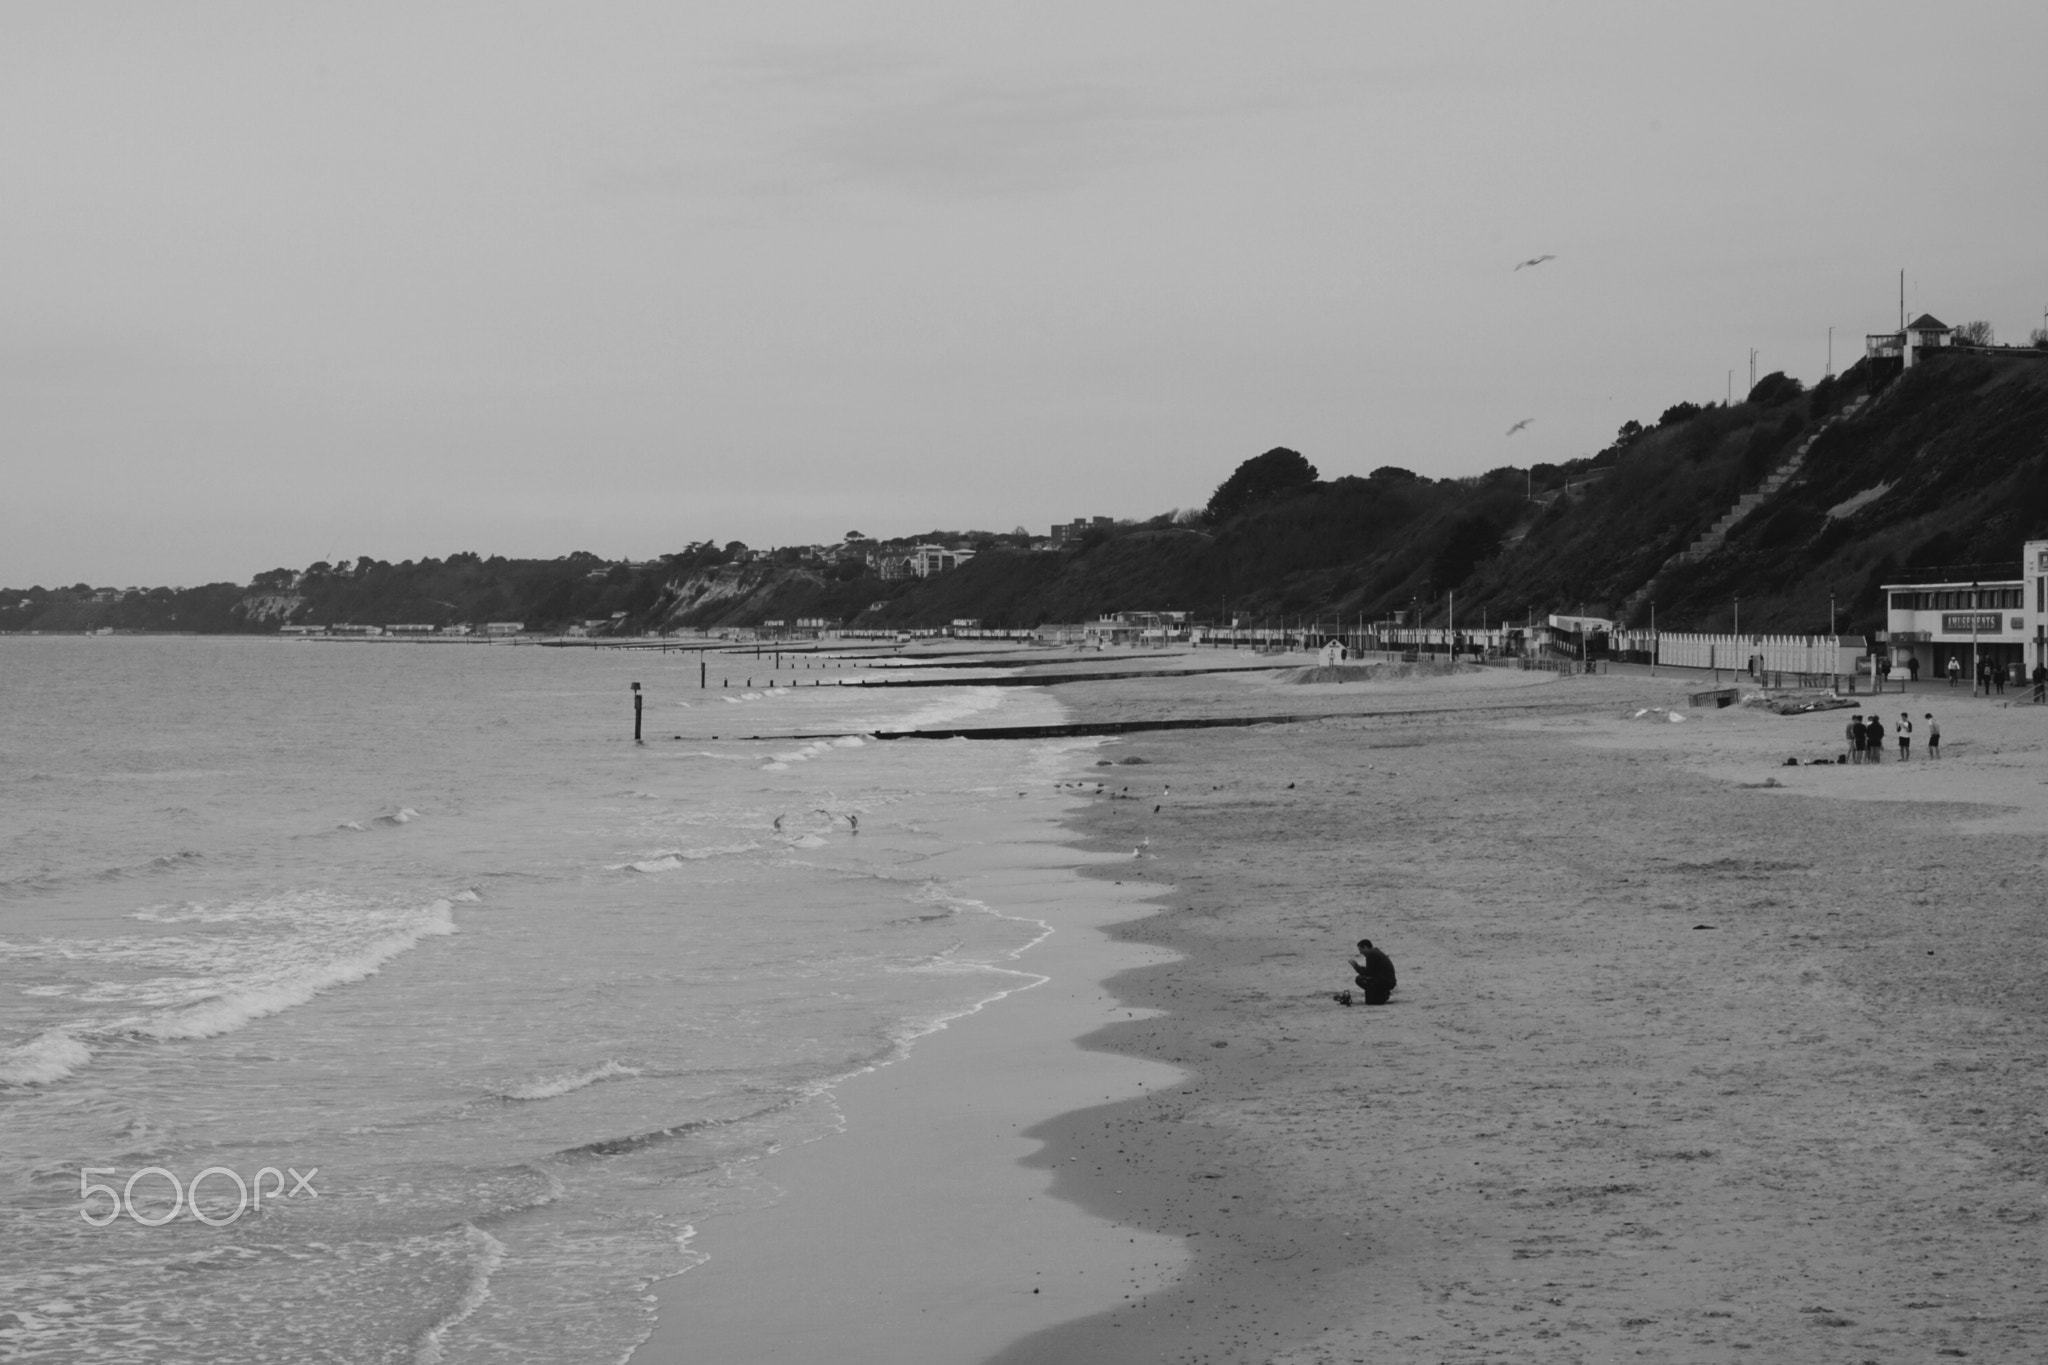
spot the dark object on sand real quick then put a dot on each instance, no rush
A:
(1703, 926)
(1343, 998)
(1375, 973)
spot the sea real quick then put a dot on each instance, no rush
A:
(384, 1001)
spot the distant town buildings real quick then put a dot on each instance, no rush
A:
(921, 561)
(1067, 532)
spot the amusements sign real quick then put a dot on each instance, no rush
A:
(1970, 623)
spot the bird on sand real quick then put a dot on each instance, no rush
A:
(1519, 425)
(1534, 260)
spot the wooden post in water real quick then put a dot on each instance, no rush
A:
(636, 715)
(703, 670)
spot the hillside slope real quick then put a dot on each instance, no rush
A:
(1939, 471)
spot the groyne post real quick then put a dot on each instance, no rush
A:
(636, 715)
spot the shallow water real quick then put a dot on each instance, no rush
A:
(531, 999)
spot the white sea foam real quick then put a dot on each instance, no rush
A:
(469, 894)
(47, 1057)
(669, 859)
(955, 706)
(488, 1254)
(548, 1087)
(293, 983)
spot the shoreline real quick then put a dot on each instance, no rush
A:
(917, 1231)
(1688, 1058)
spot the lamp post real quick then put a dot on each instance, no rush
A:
(1976, 664)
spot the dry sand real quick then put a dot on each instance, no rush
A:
(1683, 1066)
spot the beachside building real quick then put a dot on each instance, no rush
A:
(503, 627)
(409, 628)
(1924, 332)
(1137, 628)
(2001, 622)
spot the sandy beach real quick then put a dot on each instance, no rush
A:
(1695, 1056)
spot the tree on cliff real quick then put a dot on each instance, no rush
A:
(1278, 471)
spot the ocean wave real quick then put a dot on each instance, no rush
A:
(489, 1254)
(669, 859)
(951, 707)
(633, 1142)
(48, 1057)
(47, 879)
(404, 815)
(281, 988)
(548, 1087)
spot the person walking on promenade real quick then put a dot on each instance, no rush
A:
(1955, 669)
(1913, 668)
(1998, 677)
(1905, 733)
(1933, 736)
(1884, 672)
(2041, 681)
(1854, 730)
(1873, 740)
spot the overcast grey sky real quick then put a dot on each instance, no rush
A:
(294, 282)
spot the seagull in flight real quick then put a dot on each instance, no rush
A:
(1534, 260)
(1519, 425)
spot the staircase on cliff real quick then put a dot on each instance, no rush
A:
(1715, 536)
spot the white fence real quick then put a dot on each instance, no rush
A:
(1777, 653)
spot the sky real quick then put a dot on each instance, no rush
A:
(282, 283)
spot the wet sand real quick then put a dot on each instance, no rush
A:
(1694, 1057)
(916, 1232)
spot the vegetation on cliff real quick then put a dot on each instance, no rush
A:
(1942, 470)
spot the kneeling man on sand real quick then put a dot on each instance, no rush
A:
(1375, 973)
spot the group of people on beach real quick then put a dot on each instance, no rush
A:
(1866, 737)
